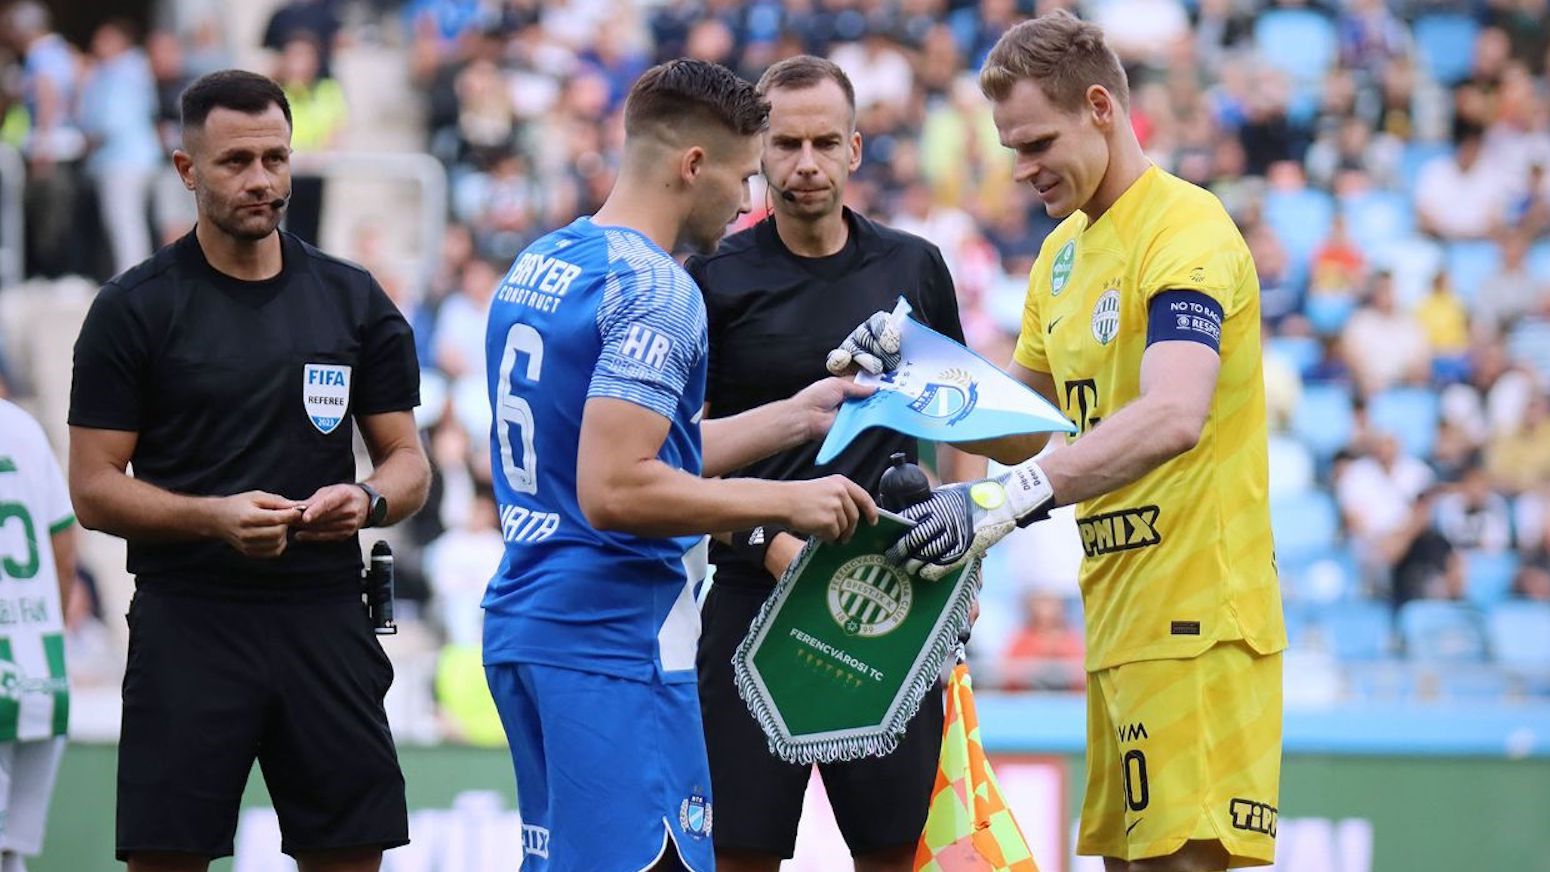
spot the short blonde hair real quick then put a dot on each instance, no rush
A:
(1062, 54)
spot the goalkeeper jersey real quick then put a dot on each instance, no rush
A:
(1182, 558)
(34, 504)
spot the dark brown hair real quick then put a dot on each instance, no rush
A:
(805, 71)
(687, 90)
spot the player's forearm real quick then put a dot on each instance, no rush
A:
(1008, 450)
(112, 502)
(734, 442)
(1126, 446)
(653, 499)
(403, 477)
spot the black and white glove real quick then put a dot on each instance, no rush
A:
(959, 522)
(873, 346)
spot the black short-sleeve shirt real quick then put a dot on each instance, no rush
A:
(234, 386)
(773, 318)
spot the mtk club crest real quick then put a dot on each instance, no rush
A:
(953, 394)
(694, 815)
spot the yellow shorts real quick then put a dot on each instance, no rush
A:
(1184, 749)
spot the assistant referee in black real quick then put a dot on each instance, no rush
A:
(231, 369)
(779, 296)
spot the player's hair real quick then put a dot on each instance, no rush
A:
(805, 71)
(693, 91)
(1059, 52)
(238, 90)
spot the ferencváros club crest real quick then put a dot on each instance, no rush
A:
(325, 392)
(952, 395)
(869, 597)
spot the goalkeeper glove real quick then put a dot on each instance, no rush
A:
(873, 346)
(959, 522)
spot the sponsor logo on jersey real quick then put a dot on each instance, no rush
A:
(1123, 530)
(952, 395)
(646, 346)
(1255, 817)
(1060, 272)
(14, 683)
(1106, 317)
(694, 815)
(869, 597)
(535, 840)
(325, 393)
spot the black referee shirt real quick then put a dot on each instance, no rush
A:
(774, 316)
(234, 386)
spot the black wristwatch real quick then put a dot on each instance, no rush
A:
(376, 508)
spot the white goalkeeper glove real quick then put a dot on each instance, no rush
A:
(873, 346)
(959, 522)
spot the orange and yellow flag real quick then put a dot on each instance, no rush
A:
(969, 827)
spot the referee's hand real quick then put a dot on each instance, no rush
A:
(872, 346)
(255, 523)
(828, 507)
(333, 513)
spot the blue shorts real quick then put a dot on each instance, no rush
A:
(611, 773)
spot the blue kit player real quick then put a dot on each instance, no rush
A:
(597, 354)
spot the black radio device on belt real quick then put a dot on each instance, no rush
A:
(377, 587)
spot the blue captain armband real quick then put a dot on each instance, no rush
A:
(1189, 316)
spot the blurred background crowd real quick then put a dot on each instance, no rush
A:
(1387, 162)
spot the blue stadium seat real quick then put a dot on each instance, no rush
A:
(1488, 576)
(1520, 635)
(1436, 631)
(1323, 419)
(1327, 313)
(1539, 260)
(1415, 156)
(1382, 680)
(1360, 630)
(1331, 577)
(1470, 263)
(1298, 42)
(1291, 466)
(1305, 526)
(1302, 352)
(1410, 414)
(1300, 219)
(1377, 218)
(1446, 41)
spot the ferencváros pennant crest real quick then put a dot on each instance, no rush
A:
(325, 393)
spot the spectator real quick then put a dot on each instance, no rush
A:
(1376, 492)
(1427, 566)
(459, 336)
(458, 566)
(1383, 345)
(317, 122)
(1472, 517)
(1519, 460)
(316, 20)
(1513, 291)
(1442, 316)
(1460, 196)
(1046, 653)
(118, 112)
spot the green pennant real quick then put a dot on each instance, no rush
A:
(841, 654)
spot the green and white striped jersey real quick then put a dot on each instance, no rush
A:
(34, 504)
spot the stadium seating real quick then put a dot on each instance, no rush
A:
(1470, 264)
(1302, 352)
(1414, 262)
(1489, 576)
(1376, 218)
(1298, 42)
(1538, 261)
(1323, 420)
(1436, 631)
(1410, 414)
(1359, 630)
(1520, 636)
(1446, 43)
(1415, 156)
(1305, 525)
(1300, 219)
(1291, 466)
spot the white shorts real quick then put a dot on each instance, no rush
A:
(27, 771)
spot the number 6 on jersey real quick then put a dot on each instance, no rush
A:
(512, 410)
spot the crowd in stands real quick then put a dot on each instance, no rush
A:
(1387, 162)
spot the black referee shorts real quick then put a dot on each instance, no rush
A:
(879, 803)
(213, 684)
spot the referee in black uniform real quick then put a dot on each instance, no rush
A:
(227, 369)
(779, 296)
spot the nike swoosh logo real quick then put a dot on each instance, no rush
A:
(1132, 826)
(1051, 328)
